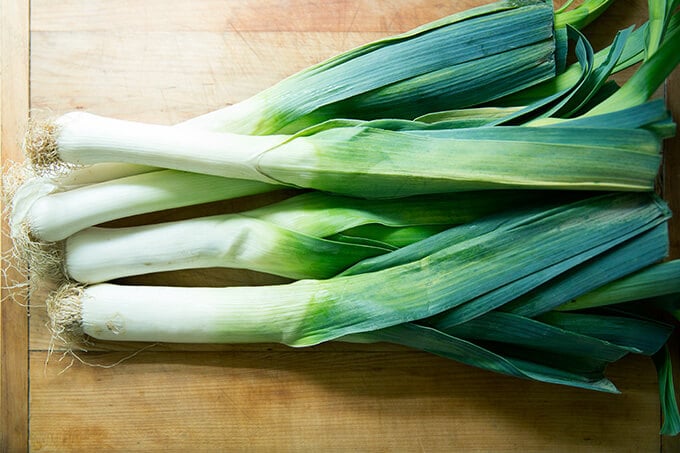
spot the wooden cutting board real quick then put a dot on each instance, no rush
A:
(166, 61)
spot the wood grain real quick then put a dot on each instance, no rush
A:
(329, 402)
(168, 77)
(341, 16)
(166, 61)
(14, 103)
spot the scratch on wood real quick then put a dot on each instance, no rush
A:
(351, 25)
(245, 41)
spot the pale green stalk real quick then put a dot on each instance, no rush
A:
(660, 13)
(471, 117)
(582, 15)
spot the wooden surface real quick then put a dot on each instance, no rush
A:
(14, 104)
(166, 61)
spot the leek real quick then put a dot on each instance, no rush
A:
(284, 238)
(465, 59)
(100, 254)
(483, 292)
(522, 31)
(570, 102)
(363, 160)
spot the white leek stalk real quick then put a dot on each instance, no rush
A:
(94, 174)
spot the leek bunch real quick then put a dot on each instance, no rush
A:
(434, 286)
(406, 237)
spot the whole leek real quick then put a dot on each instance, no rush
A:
(468, 58)
(482, 293)
(369, 160)
(285, 238)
